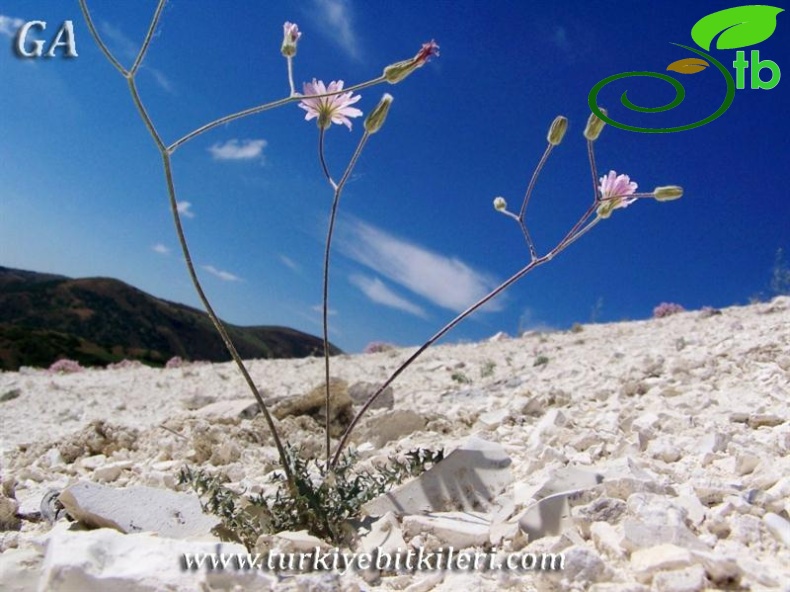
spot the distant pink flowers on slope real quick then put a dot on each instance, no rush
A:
(615, 193)
(329, 110)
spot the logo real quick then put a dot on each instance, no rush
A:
(738, 27)
(27, 48)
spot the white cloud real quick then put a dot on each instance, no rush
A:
(238, 149)
(223, 275)
(161, 249)
(290, 263)
(10, 25)
(446, 281)
(185, 209)
(337, 21)
(377, 291)
(320, 309)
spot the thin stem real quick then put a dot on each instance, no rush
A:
(449, 326)
(325, 309)
(289, 59)
(172, 195)
(530, 244)
(97, 38)
(593, 170)
(171, 191)
(322, 159)
(534, 180)
(144, 115)
(148, 36)
(260, 108)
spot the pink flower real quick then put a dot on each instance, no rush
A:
(427, 50)
(291, 32)
(615, 191)
(291, 35)
(329, 110)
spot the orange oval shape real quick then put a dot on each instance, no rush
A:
(688, 66)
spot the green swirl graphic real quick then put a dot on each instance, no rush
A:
(680, 94)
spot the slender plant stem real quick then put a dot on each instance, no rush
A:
(322, 157)
(171, 191)
(95, 34)
(449, 326)
(593, 169)
(172, 195)
(325, 308)
(260, 108)
(527, 195)
(289, 59)
(148, 36)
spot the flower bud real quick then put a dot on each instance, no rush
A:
(376, 118)
(500, 205)
(594, 126)
(557, 130)
(400, 70)
(291, 35)
(668, 192)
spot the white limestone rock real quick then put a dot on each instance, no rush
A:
(459, 530)
(779, 527)
(646, 562)
(104, 559)
(690, 579)
(137, 509)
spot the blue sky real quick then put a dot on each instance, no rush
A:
(83, 191)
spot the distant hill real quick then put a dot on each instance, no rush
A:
(97, 321)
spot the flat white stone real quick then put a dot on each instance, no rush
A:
(137, 509)
(104, 559)
(779, 527)
(456, 529)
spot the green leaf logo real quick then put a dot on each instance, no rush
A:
(739, 26)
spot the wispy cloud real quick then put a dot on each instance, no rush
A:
(337, 22)
(238, 149)
(319, 309)
(161, 249)
(160, 78)
(446, 281)
(290, 263)
(9, 25)
(185, 209)
(128, 48)
(223, 275)
(560, 38)
(528, 321)
(377, 291)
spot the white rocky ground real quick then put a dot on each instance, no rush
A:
(685, 418)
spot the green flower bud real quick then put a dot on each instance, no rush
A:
(376, 118)
(400, 70)
(594, 126)
(557, 130)
(668, 192)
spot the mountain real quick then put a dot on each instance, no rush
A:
(97, 321)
